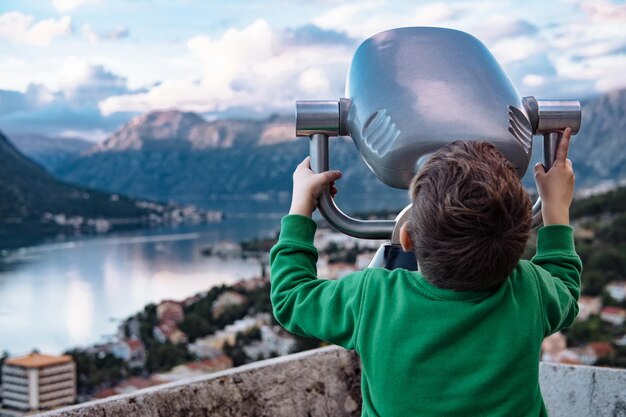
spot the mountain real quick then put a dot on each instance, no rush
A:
(175, 130)
(181, 157)
(598, 152)
(50, 152)
(33, 203)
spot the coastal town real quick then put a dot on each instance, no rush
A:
(231, 325)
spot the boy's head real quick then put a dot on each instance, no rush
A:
(470, 219)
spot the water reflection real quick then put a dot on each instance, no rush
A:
(66, 294)
(72, 292)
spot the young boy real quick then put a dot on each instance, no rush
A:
(462, 336)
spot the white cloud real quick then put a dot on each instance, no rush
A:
(65, 5)
(363, 20)
(94, 37)
(257, 68)
(22, 28)
(498, 27)
(83, 83)
(601, 11)
(516, 49)
(533, 80)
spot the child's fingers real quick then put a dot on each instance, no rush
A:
(562, 151)
(331, 176)
(539, 170)
(306, 163)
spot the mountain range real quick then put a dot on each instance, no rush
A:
(33, 203)
(179, 156)
(50, 152)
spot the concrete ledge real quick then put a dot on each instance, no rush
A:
(326, 382)
(585, 391)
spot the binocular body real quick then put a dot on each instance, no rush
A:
(411, 91)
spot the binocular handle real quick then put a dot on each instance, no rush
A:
(363, 229)
(383, 229)
(551, 142)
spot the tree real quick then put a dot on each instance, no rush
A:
(593, 282)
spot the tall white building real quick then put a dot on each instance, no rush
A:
(38, 382)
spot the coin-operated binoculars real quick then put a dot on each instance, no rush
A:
(409, 92)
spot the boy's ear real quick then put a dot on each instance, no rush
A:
(405, 239)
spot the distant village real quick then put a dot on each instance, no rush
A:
(232, 325)
(160, 215)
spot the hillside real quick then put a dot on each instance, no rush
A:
(599, 150)
(33, 203)
(147, 159)
(50, 152)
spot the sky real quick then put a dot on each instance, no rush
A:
(81, 68)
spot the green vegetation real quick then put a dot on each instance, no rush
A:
(612, 202)
(603, 254)
(96, 371)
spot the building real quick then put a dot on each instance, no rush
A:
(129, 385)
(554, 349)
(614, 315)
(588, 306)
(165, 332)
(617, 290)
(170, 311)
(198, 368)
(38, 382)
(227, 300)
(130, 350)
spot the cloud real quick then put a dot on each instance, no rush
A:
(365, 19)
(74, 106)
(601, 11)
(312, 34)
(83, 83)
(500, 27)
(22, 28)
(516, 49)
(258, 68)
(95, 37)
(36, 96)
(65, 5)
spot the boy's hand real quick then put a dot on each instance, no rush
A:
(308, 187)
(556, 187)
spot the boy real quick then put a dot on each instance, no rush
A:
(462, 336)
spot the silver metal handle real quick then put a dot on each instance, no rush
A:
(551, 142)
(363, 229)
(548, 117)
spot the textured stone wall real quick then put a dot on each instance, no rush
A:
(325, 382)
(320, 383)
(583, 391)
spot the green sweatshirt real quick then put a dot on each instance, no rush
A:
(428, 351)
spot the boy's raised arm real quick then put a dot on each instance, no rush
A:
(559, 275)
(302, 303)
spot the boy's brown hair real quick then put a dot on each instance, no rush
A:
(471, 217)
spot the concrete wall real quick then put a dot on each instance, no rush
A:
(319, 383)
(325, 382)
(585, 391)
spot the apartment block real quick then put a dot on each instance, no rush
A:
(38, 382)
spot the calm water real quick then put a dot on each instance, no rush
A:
(74, 292)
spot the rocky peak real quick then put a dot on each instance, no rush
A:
(172, 129)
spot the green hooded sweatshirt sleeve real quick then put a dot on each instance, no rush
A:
(304, 304)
